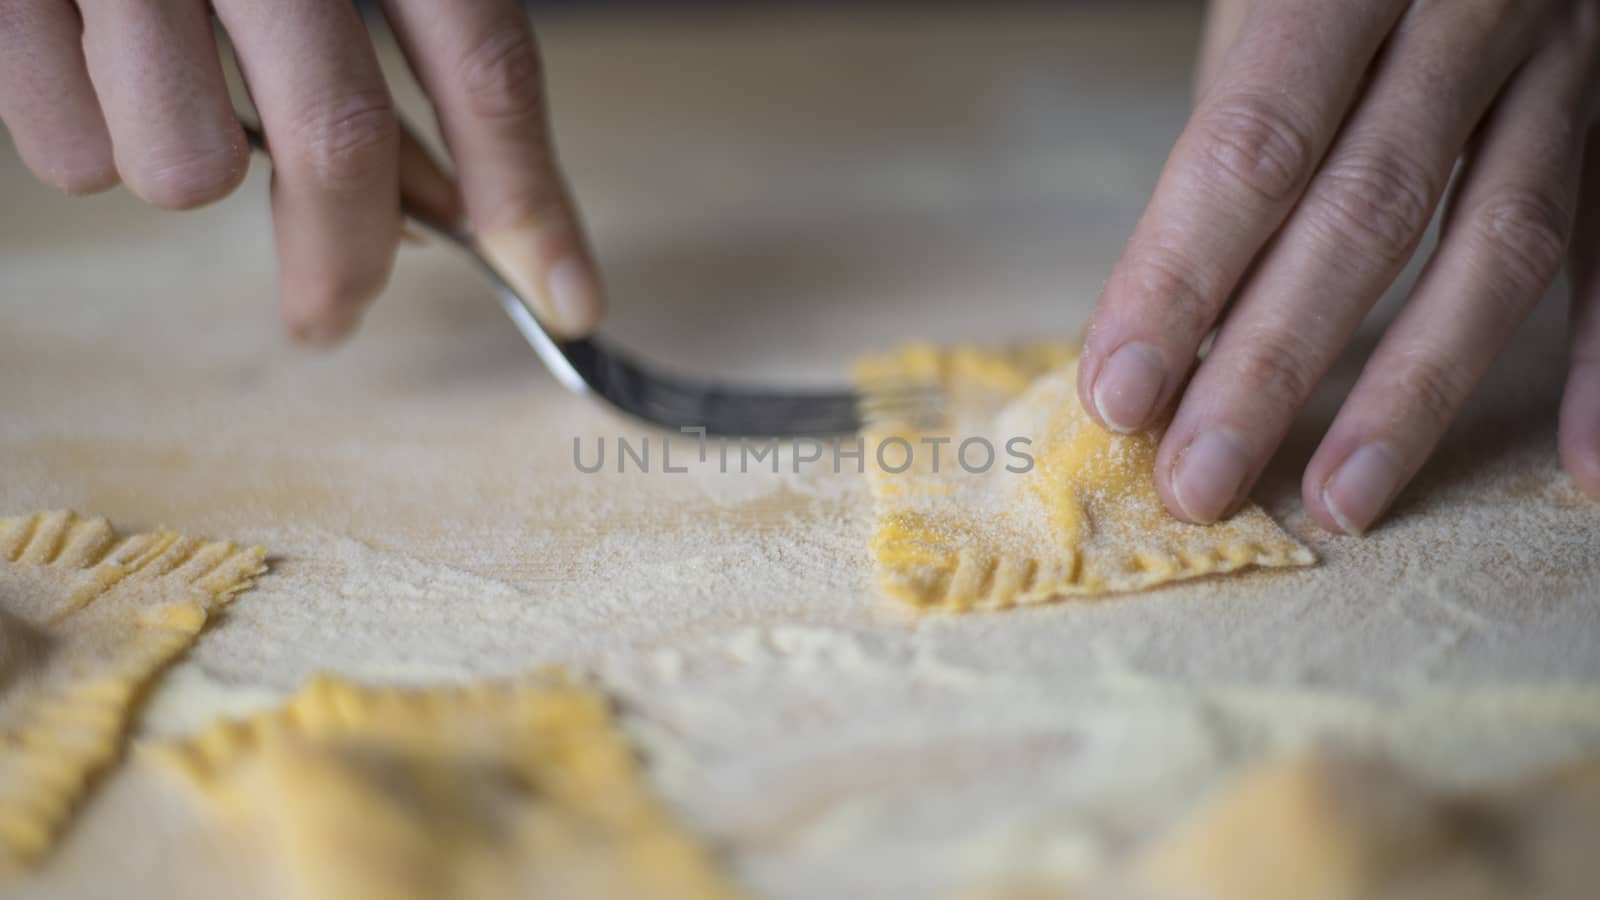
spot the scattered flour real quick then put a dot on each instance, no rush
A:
(418, 492)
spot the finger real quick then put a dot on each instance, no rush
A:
(1237, 170)
(425, 186)
(1501, 249)
(335, 155)
(155, 68)
(1580, 405)
(1359, 222)
(479, 64)
(1223, 19)
(46, 99)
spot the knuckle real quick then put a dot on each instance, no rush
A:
(185, 177)
(342, 142)
(1257, 144)
(501, 76)
(1165, 282)
(1431, 390)
(1276, 370)
(1378, 201)
(1526, 234)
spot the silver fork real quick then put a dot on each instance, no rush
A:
(593, 366)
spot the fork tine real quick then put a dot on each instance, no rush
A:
(675, 402)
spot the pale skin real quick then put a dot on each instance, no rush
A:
(1323, 136)
(101, 92)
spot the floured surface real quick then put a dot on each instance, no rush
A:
(1031, 500)
(428, 524)
(88, 620)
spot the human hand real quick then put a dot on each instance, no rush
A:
(1322, 139)
(101, 91)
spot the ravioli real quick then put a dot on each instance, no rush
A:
(86, 621)
(1011, 495)
(518, 789)
(1350, 828)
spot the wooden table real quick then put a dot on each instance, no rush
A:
(775, 194)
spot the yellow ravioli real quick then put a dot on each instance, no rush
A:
(1029, 500)
(516, 789)
(1349, 828)
(86, 620)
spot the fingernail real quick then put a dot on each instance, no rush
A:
(574, 295)
(1126, 390)
(1357, 493)
(1210, 474)
(567, 295)
(327, 329)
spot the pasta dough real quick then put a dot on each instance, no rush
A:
(520, 789)
(86, 620)
(1345, 828)
(1082, 518)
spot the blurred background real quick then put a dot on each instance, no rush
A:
(817, 178)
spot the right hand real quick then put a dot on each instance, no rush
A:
(97, 92)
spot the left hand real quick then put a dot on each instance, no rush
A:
(1322, 141)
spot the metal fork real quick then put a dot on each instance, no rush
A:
(594, 366)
